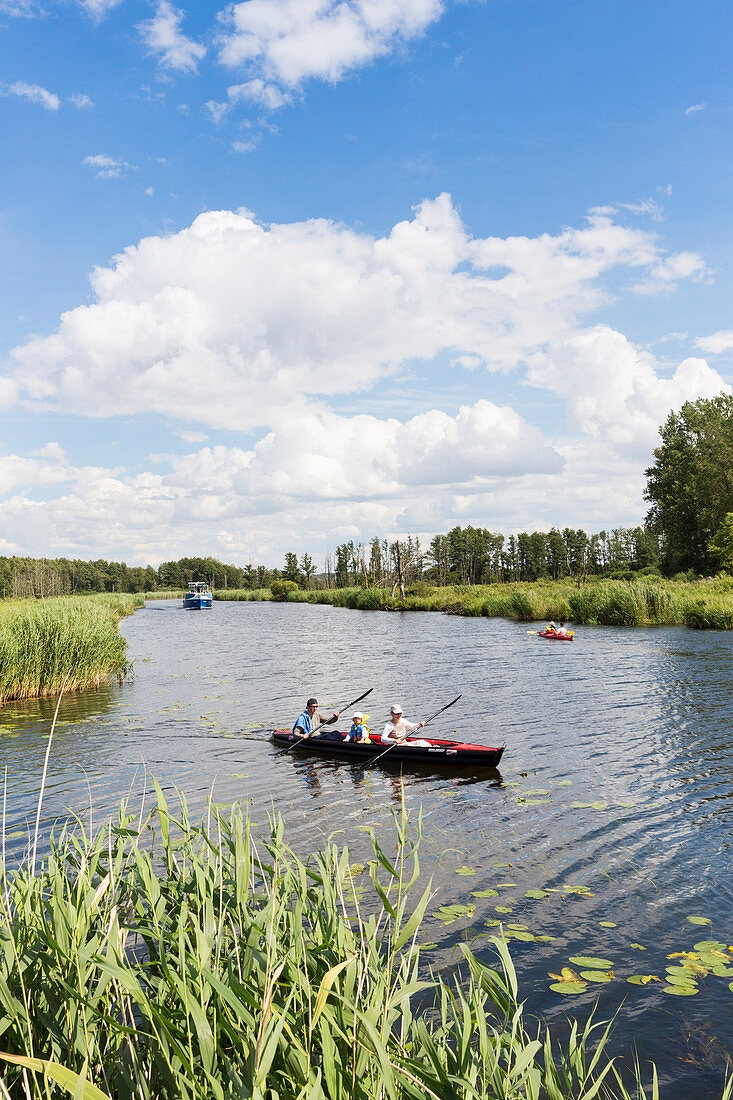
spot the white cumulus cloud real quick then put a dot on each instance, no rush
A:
(163, 36)
(284, 315)
(716, 343)
(614, 391)
(281, 43)
(234, 325)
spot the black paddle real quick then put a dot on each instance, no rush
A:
(376, 758)
(340, 710)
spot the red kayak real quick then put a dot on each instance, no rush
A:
(555, 637)
(460, 753)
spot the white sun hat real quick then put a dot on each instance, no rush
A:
(358, 716)
(395, 709)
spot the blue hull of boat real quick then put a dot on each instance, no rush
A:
(196, 603)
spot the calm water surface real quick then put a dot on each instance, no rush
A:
(617, 778)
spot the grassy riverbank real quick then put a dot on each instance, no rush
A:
(704, 603)
(43, 640)
(165, 961)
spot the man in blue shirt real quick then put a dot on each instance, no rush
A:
(309, 722)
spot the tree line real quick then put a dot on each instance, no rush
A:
(476, 555)
(42, 577)
(469, 555)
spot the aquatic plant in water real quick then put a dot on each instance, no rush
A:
(42, 640)
(162, 959)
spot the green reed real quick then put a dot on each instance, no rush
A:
(701, 603)
(42, 640)
(241, 594)
(162, 960)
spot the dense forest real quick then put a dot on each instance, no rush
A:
(465, 555)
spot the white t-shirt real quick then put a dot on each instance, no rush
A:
(400, 728)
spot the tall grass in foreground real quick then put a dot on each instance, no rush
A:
(41, 640)
(703, 603)
(160, 960)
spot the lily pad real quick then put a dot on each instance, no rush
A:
(524, 937)
(597, 975)
(643, 979)
(537, 895)
(638, 947)
(465, 871)
(686, 977)
(681, 990)
(590, 962)
(545, 939)
(503, 909)
(484, 893)
(448, 914)
(540, 790)
(699, 920)
(564, 783)
(505, 885)
(681, 983)
(567, 981)
(607, 924)
(534, 801)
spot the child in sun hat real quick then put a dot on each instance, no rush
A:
(358, 731)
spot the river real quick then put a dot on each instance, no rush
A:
(615, 794)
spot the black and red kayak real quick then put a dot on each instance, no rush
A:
(460, 753)
(554, 637)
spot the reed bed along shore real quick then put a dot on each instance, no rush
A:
(41, 641)
(700, 604)
(162, 960)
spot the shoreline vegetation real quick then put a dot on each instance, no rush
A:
(704, 603)
(43, 641)
(163, 960)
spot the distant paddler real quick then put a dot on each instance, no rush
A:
(310, 721)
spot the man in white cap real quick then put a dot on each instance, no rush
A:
(398, 727)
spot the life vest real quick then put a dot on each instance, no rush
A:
(363, 726)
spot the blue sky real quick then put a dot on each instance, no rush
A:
(375, 266)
